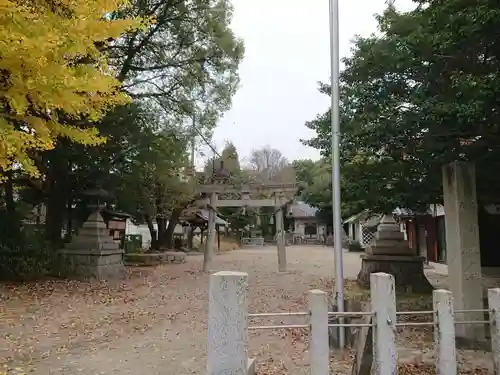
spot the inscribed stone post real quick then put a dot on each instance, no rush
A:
(227, 324)
(462, 244)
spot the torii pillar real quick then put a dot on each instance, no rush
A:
(462, 246)
(280, 234)
(209, 245)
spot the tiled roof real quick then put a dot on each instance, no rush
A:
(204, 215)
(359, 217)
(302, 209)
(406, 212)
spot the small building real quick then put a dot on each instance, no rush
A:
(426, 232)
(116, 223)
(362, 227)
(142, 230)
(304, 222)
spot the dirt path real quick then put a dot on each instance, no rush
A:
(154, 322)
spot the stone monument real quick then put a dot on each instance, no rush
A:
(93, 253)
(391, 254)
(463, 248)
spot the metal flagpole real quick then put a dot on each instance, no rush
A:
(335, 118)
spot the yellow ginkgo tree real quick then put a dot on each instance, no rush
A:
(54, 79)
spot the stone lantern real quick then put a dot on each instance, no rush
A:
(93, 253)
(390, 253)
(97, 199)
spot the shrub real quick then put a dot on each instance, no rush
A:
(133, 243)
(30, 257)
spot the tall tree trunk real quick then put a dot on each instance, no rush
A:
(218, 237)
(162, 230)
(13, 225)
(55, 214)
(161, 220)
(172, 223)
(69, 205)
(152, 232)
(10, 205)
(58, 177)
(69, 220)
(191, 237)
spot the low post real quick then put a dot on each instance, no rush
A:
(444, 333)
(383, 300)
(319, 349)
(227, 324)
(494, 306)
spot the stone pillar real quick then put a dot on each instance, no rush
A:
(494, 306)
(209, 245)
(280, 240)
(227, 324)
(93, 253)
(444, 337)
(462, 245)
(319, 350)
(383, 301)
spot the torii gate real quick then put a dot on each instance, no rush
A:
(280, 197)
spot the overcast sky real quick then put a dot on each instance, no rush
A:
(286, 54)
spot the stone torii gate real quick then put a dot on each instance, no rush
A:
(281, 194)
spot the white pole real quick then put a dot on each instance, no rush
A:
(337, 219)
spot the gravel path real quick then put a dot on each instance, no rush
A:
(154, 322)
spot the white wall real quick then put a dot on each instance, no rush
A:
(437, 209)
(143, 230)
(300, 229)
(321, 230)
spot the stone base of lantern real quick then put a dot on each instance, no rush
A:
(93, 253)
(101, 265)
(408, 271)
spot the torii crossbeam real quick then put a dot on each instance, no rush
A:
(282, 194)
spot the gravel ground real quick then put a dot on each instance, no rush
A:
(154, 322)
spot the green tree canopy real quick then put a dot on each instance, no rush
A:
(182, 66)
(419, 95)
